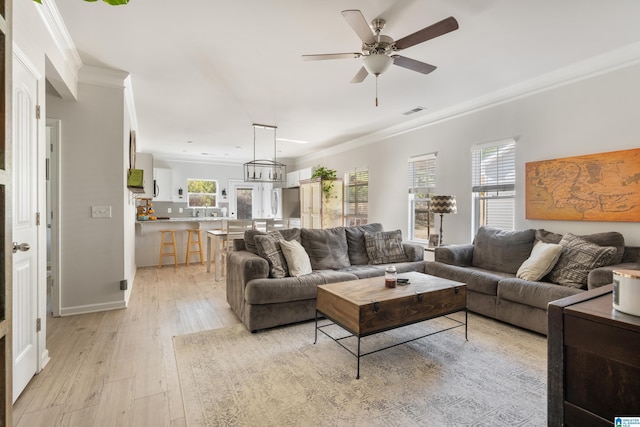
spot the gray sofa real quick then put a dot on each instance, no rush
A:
(489, 266)
(337, 254)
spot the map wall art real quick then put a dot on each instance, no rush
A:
(594, 187)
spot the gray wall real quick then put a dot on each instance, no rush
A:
(594, 115)
(92, 169)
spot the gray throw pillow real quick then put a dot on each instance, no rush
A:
(578, 258)
(268, 246)
(355, 240)
(327, 248)
(501, 250)
(249, 237)
(608, 238)
(385, 247)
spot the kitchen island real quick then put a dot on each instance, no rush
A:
(148, 237)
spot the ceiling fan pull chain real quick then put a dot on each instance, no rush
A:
(376, 91)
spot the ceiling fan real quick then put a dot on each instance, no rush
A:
(379, 50)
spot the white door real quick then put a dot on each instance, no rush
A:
(25, 228)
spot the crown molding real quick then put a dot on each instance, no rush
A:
(601, 64)
(55, 25)
(101, 76)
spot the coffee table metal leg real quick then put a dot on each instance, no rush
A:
(316, 339)
(358, 373)
(466, 323)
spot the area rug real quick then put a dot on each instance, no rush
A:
(279, 377)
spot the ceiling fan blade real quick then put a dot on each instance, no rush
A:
(323, 56)
(412, 64)
(360, 76)
(355, 18)
(432, 31)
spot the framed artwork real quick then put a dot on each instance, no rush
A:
(594, 187)
(434, 240)
(132, 149)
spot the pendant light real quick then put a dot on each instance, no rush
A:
(264, 170)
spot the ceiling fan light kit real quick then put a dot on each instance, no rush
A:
(378, 50)
(264, 170)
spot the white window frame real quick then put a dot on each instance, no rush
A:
(360, 204)
(422, 185)
(215, 194)
(493, 192)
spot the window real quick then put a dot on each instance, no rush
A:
(202, 193)
(356, 197)
(493, 186)
(422, 184)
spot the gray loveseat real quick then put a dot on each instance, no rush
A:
(337, 254)
(490, 264)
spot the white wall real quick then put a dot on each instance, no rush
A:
(594, 115)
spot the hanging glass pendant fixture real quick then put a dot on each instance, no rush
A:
(264, 170)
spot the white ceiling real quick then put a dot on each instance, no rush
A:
(205, 70)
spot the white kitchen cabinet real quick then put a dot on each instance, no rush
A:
(163, 185)
(294, 178)
(318, 210)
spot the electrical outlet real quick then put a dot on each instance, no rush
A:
(179, 210)
(100, 211)
(168, 210)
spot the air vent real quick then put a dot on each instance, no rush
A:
(415, 110)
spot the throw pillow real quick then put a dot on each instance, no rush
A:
(501, 250)
(385, 247)
(355, 240)
(297, 258)
(608, 238)
(249, 237)
(578, 258)
(544, 257)
(327, 248)
(268, 246)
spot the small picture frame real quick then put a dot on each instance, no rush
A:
(434, 240)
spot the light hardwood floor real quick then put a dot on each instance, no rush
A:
(117, 368)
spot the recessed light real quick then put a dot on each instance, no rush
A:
(189, 142)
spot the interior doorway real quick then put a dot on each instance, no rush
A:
(53, 217)
(244, 200)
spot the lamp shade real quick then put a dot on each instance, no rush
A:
(377, 63)
(443, 204)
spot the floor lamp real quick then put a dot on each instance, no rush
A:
(443, 205)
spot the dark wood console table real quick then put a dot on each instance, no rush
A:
(593, 361)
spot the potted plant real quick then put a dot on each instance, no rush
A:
(327, 179)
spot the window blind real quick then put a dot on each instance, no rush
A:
(356, 195)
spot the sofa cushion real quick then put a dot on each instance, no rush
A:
(297, 259)
(355, 241)
(249, 237)
(501, 250)
(578, 258)
(477, 280)
(327, 248)
(268, 246)
(610, 238)
(385, 247)
(544, 257)
(534, 294)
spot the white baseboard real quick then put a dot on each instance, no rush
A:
(92, 308)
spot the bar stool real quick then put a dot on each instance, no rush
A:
(171, 245)
(194, 232)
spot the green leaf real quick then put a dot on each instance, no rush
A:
(38, 1)
(116, 2)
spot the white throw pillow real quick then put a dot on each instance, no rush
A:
(543, 258)
(297, 258)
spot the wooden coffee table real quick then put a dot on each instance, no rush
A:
(366, 307)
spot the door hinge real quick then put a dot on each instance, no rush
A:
(37, 112)
(38, 324)
(37, 218)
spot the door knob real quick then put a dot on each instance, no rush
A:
(23, 247)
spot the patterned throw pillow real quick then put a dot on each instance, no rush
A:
(578, 258)
(268, 246)
(385, 247)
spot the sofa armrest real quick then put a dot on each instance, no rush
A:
(243, 266)
(414, 251)
(459, 255)
(604, 275)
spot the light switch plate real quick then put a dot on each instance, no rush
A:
(100, 211)
(168, 210)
